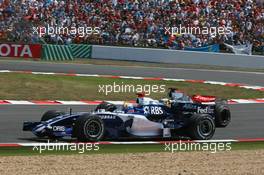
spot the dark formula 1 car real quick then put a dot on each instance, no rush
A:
(176, 117)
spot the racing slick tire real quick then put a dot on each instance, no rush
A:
(89, 128)
(51, 114)
(222, 115)
(220, 101)
(202, 127)
(106, 106)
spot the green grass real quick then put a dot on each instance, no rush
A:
(19, 86)
(103, 149)
(162, 65)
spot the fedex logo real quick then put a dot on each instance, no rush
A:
(206, 110)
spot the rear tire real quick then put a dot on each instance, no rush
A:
(220, 101)
(202, 127)
(51, 114)
(222, 115)
(89, 128)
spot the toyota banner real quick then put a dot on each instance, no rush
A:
(20, 50)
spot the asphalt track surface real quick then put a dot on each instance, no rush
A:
(247, 119)
(210, 75)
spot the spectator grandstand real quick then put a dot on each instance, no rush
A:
(134, 22)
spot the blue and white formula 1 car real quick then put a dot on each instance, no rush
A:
(171, 118)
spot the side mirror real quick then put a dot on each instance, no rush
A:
(70, 109)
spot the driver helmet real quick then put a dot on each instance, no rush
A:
(140, 98)
(129, 108)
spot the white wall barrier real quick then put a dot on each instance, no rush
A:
(176, 56)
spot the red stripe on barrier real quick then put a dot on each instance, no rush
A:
(256, 100)
(109, 76)
(96, 102)
(261, 89)
(137, 142)
(24, 72)
(234, 84)
(178, 141)
(66, 74)
(251, 140)
(71, 74)
(91, 102)
(232, 102)
(45, 102)
(195, 81)
(100, 143)
(10, 145)
(152, 78)
(4, 102)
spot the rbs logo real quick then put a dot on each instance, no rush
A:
(156, 110)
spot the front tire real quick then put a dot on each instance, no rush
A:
(89, 128)
(202, 127)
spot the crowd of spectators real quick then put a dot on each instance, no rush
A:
(134, 22)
